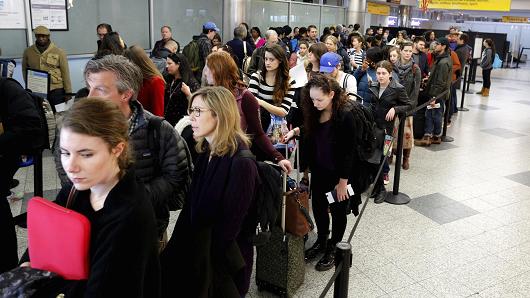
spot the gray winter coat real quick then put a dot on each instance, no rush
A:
(176, 170)
(440, 78)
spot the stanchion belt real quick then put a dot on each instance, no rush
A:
(439, 96)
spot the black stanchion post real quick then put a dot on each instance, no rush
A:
(396, 197)
(342, 254)
(447, 103)
(37, 174)
(461, 108)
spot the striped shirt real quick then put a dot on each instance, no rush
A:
(259, 88)
(356, 57)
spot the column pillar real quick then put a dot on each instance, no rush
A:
(404, 16)
(234, 13)
(356, 13)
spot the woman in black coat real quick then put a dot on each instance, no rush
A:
(209, 253)
(388, 98)
(331, 156)
(123, 254)
(180, 84)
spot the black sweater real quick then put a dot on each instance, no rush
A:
(123, 245)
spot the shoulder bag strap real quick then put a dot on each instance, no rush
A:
(245, 48)
(71, 197)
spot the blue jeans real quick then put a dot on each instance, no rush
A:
(433, 121)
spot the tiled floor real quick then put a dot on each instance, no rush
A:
(466, 231)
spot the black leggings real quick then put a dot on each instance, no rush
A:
(486, 77)
(321, 183)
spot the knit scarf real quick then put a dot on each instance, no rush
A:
(403, 69)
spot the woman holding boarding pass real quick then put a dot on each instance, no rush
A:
(331, 158)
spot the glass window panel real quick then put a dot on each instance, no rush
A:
(265, 14)
(331, 16)
(304, 15)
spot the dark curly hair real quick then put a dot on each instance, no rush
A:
(327, 84)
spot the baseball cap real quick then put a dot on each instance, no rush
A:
(443, 41)
(329, 61)
(210, 26)
(41, 30)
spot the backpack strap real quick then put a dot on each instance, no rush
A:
(153, 138)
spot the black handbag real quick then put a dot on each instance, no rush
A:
(24, 282)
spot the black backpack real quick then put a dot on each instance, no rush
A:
(46, 138)
(369, 141)
(265, 208)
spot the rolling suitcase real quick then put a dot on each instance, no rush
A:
(280, 266)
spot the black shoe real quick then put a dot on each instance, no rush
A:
(328, 260)
(317, 248)
(380, 197)
(14, 183)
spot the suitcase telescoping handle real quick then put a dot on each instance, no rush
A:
(284, 197)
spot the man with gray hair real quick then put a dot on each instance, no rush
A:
(162, 158)
(239, 46)
(258, 57)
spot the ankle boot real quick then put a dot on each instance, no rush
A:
(328, 260)
(481, 91)
(486, 92)
(317, 248)
(406, 157)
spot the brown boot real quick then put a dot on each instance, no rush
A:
(436, 140)
(480, 92)
(426, 141)
(486, 92)
(406, 159)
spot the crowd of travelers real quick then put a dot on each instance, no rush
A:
(165, 130)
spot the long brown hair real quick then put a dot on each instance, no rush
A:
(327, 84)
(281, 82)
(317, 49)
(224, 70)
(138, 56)
(228, 132)
(103, 119)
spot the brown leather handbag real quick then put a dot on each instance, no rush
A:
(298, 222)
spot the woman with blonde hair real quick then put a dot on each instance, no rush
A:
(333, 45)
(123, 254)
(151, 94)
(208, 252)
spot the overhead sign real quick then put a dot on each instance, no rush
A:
(494, 5)
(510, 19)
(380, 9)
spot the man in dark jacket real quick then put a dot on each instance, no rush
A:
(439, 81)
(462, 50)
(238, 45)
(209, 29)
(19, 124)
(166, 177)
(165, 32)
(419, 56)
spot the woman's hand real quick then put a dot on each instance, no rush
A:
(286, 166)
(390, 115)
(342, 191)
(185, 89)
(289, 135)
(25, 264)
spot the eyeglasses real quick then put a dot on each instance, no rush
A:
(196, 112)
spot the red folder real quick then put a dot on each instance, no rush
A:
(58, 239)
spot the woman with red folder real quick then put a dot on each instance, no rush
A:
(123, 249)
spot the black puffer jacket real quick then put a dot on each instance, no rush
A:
(175, 176)
(18, 116)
